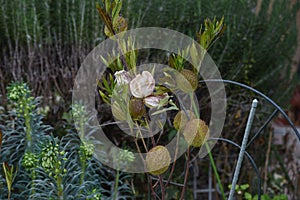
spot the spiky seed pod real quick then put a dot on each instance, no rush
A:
(120, 26)
(182, 118)
(158, 160)
(188, 82)
(136, 108)
(195, 132)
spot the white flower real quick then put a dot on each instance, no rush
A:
(122, 77)
(142, 85)
(154, 101)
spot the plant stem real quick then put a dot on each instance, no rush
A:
(27, 124)
(162, 187)
(186, 174)
(174, 162)
(116, 184)
(151, 186)
(58, 177)
(83, 156)
(267, 163)
(215, 170)
(83, 166)
(32, 184)
(59, 188)
(209, 153)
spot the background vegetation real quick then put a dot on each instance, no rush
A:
(43, 43)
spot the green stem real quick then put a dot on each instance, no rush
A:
(58, 176)
(209, 152)
(215, 170)
(116, 185)
(83, 166)
(194, 106)
(59, 188)
(27, 124)
(32, 184)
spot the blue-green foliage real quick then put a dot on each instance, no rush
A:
(46, 167)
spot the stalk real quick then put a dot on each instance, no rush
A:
(83, 167)
(58, 181)
(186, 174)
(27, 122)
(32, 184)
(116, 184)
(209, 153)
(212, 162)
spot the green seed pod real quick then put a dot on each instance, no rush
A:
(136, 108)
(158, 160)
(182, 118)
(120, 26)
(196, 132)
(188, 82)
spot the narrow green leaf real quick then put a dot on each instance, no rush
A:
(105, 18)
(164, 110)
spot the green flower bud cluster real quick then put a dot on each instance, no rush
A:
(80, 117)
(87, 150)
(50, 160)
(16, 91)
(19, 94)
(78, 111)
(30, 160)
(126, 155)
(122, 157)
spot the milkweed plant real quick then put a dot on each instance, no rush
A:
(140, 97)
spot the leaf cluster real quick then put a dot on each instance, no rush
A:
(35, 165)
